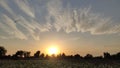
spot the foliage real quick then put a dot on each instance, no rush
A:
(37, 54)
(3, 51)
(20, 54)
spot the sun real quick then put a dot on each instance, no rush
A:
(52, 50)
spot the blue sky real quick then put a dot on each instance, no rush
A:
(76, 26)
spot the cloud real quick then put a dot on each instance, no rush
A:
(55, 16)
(10, 28)
(18, 25)
(32, 28)
(81, 20)
(62, 16)
(25, 6)
(22, 28)
(5, 5)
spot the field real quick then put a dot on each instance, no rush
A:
(57, 64)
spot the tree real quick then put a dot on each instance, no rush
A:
(37, 54)
(107, 55)
(98, 57)
(47, 56)
(59, 55)
(117, 56)
(26, 54)
(20, 54)
(88, 56)
(63, 55)
(3, 51)
(53, 55)
(77, 56)
(42, 55)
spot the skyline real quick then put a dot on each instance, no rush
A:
(74, 26)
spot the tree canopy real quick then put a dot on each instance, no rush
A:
(3, 51)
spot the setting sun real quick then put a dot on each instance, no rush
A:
(53, 50)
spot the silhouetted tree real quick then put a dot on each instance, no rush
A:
(107, 55)
(115, 56)
(47, 56)
(37, 54)
(63, 55)
(42, 55)
(88, 56)
(77, 56)
(3, 51)
(98, 57)
(70, 56)
(53, 55)
(8, 56)
(19, 53)
(59, 55)
(26, 54)
(118, 55)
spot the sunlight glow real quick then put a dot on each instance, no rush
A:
(52, 50)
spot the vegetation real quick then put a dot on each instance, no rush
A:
(3, 51)
(57, 64)
(23, 59)
(20, 54)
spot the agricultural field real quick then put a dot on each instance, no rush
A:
(56, 64)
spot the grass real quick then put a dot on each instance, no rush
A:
(56, 64)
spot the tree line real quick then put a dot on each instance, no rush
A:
(20, 54)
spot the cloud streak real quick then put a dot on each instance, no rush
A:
(25, 7)
(59, 17)
(10, 28)
(82, 20)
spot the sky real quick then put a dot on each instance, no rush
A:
(74, 26)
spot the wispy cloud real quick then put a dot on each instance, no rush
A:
(32, 28)
(5, 5)
(81, 20)
(58, 17)
(10, 28)
(25, 7)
